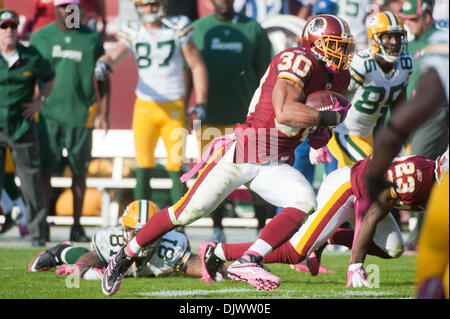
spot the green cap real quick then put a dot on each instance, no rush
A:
(412, 9)
(7, 15)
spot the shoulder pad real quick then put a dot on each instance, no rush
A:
(357, 68)
(176, 22)
(128, 30)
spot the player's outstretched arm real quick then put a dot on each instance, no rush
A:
(366, 230)
(114, 56)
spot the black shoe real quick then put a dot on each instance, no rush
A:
(48, 258)
(211, 264)
(113, 275)
(8, 224)
(77, 234)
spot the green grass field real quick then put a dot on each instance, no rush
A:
(396, 280)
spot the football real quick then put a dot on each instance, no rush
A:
(324, 100)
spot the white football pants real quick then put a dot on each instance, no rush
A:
(278, 183)
(334, 207)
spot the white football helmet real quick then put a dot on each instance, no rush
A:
(149, 17)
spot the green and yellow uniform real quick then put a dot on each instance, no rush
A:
(66, 119)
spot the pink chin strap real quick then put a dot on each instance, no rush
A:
(331, 68)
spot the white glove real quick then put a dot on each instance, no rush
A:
(321, 155)
(101, 71)
(199, 110)
(94, 274)
(357, 276)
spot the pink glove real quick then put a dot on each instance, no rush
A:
(319, 137)
(66, 269)
(341, 109)
(357, 276)
(321, 155)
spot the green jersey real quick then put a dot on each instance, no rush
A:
(17, 85)
(73, 54)
(237, 53)
(432, 36)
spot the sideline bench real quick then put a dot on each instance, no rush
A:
(118, 145)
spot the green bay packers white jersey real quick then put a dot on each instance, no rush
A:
(158, 55)
(372, 91)
(354, 12)
(170, 254)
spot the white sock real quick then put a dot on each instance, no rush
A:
(261, 247)
(218, 251)
(133, 246)
(63, 254)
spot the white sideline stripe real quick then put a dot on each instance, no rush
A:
(197, 292)
(281, 293)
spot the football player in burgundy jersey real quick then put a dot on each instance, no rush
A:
(259, 153)
(413, 178)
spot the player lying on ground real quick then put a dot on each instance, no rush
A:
(413, 178)
(172, 253)
(260, 152)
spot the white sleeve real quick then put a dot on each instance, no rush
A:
(107, 242)
(357, 67)
(128, 32)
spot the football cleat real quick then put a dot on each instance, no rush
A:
(250, 269)
(114, 273)
(49, 258)
(210, 262)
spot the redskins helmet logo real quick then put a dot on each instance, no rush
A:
(317, 26)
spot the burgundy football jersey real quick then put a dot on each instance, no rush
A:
(261, 138)
(413, 177)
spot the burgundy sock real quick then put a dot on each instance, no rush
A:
(344, 237)
(284, 254)
(235, 251)
(155, 228)
(282, 226)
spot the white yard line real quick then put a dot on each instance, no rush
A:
(282, 294)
